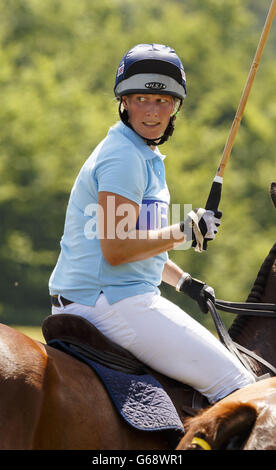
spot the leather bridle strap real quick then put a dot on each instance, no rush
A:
(256, 357)
(247, 308)
(225, 338)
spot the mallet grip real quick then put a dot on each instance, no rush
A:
(214, 197)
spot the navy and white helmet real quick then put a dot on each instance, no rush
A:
(152, 69)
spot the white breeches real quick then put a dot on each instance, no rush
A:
(168, 340)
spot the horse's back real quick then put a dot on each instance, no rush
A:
(87, 419)
(41, 400)
(49, 400)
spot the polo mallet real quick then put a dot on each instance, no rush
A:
(216, 188)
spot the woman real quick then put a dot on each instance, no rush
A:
(114, 247)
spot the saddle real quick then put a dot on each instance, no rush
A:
(86, 339)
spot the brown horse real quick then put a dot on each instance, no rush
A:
(247, 418)
(50, 400)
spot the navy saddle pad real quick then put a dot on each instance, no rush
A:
(140, 399)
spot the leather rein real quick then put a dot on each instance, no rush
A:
(248, 309)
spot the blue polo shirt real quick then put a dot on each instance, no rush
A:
(123, 164)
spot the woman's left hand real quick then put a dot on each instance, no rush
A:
(198, 291)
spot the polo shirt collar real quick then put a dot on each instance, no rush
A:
(148, 153)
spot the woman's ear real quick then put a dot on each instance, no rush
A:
(124, 102)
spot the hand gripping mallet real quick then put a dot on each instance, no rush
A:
(216, 188)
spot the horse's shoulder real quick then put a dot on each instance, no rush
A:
(21, 356)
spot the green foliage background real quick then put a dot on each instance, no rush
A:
(58, 61)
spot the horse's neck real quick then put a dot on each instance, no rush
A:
(258, 333)
(264, 288)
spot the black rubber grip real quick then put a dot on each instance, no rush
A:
(214, 196)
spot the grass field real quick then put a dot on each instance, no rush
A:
(32, 331)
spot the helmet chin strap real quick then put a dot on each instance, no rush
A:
(168, 132)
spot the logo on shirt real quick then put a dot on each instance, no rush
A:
(155, 85)
(153, 215)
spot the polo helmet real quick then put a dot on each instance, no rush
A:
(151, 68)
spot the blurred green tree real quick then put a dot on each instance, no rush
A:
(58, 61)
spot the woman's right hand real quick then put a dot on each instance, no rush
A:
(203, 226)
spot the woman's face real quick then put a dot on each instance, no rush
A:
(149, 115)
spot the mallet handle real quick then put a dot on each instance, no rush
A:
(215, 193)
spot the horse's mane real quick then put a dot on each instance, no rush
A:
(256, 292)
(258, 288)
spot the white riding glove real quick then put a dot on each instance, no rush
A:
(203, 226)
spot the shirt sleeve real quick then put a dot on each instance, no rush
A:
(124, 174)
